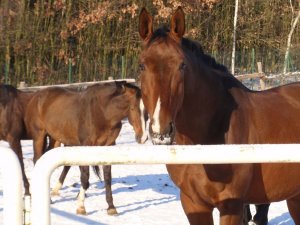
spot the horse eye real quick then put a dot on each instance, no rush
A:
(142, 67)
(182, 67)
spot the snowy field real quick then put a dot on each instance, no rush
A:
(143, 195)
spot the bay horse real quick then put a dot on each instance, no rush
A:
(90, 117)
(191, 99)
(13, 104)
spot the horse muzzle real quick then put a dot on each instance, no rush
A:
(165, 138)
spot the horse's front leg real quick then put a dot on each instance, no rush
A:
(231, 212)
(109, 198)
(84, 178)
(197, 213)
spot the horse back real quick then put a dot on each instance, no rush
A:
(269, 116)
(71, 117)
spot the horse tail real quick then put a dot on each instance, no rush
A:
(97, 172)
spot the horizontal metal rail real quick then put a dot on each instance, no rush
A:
(147, 154)
(78, 86)
(12, 187)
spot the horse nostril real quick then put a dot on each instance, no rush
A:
(161, 137)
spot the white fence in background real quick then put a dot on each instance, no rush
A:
(146, 154)
(12, 187)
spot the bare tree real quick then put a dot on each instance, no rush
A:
(293, 26)
(234, 35)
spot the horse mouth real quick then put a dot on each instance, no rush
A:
(163, 138)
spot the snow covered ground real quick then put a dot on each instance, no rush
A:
(143, 195)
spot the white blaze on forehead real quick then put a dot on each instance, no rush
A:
(142, 108)
(155, 124)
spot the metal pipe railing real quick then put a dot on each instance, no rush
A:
(12, 187)
(147, 154)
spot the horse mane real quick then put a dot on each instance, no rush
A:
(7, 92)
(9, 88)
(194, 47)
(115, 88)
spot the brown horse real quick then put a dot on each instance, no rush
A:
(13, 103)
(191, 100)
(91, 117)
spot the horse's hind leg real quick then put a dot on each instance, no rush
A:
(261, 216)
(16, 147)
(62, 177)
(294, 208)
(84, 178)
(109, 198)
(247, 215)
(39, 145)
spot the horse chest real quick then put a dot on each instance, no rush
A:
(211, 183)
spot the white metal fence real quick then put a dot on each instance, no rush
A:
(143, 154)
(12, 187)
(136, 154)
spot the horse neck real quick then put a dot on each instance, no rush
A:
(206, 108)
(118, 108)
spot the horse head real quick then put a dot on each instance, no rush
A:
(162, 69)
(137, 115)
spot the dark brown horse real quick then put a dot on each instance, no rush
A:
(13, 103)
(91, 117)
(191, 100)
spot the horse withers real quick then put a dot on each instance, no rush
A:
(191, 99)
(13, 104)
(91, 117)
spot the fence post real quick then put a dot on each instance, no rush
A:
(12, 187)
(22, 85)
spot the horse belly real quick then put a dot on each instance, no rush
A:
(274, 182)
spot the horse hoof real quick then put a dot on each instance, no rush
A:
(112, 212)
(81, 211)
(251, 222)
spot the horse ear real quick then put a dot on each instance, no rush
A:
(177, 27)
(145, 25)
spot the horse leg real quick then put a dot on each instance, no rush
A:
(39, 146)
(108, 193)
(247, 215)
(197, 214)
(62, 177)
(294, 208)
(261, 216)
(231, 212)
(84, 178)
(52, 144)
(16, 147)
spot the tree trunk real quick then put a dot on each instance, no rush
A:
(287, 52)
(234, 36)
